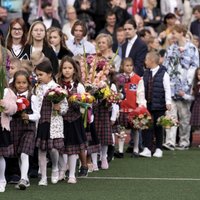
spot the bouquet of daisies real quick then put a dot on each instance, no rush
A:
(22, 104)
(167, 121)
(56, 95)
(140, 118)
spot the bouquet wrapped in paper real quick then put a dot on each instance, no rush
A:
(140, 118)
(167, 121)
(85, 101)
(121, 132)
(22, 105)
(56, 95)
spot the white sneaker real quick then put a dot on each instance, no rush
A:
(145, 153)
(43, 182)
(62, 175)
(72, 180)
(158, 153)
(2, 186)
(54, 177)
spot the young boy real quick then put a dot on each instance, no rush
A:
(158, 96)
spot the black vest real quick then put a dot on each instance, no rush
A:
(158, 92)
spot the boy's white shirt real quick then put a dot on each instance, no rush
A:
(35, 116)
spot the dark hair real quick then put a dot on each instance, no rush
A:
(110, 13)
(195, 82)
(169, 16)
(143, 32)
(196, 8)
(45, 66)
(45, 4)
(82, 24)
(76, 75)
(132, 22)
(162, 52)
(24, 73)
(21, 22)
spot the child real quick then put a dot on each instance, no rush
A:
(75, 138)
(50, 127)
(134, 97)
(15, 65)
(6, 147)
(158, 96)
(23, 133)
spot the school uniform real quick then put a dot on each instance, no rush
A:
(74, 132)
(50, 127)
(23, 134)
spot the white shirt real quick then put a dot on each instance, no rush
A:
(129, 45)
(166, 84)
(34, 106)
(47, 22)
(77, 49)
(173, 5)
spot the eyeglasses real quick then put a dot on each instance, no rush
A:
(16, 29)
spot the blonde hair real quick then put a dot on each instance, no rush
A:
(36, 57)
(108, 38)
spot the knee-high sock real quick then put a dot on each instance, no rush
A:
(121, 144)
(2, 169)
(62, 162)
(43, 163)
(94, 158)
(104, 150)
(136, 141)
(24, 166)
(72, 165)
(54, 159)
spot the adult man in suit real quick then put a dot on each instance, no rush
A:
(134, 47)
(47, 17)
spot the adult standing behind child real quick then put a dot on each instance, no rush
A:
(158, 96)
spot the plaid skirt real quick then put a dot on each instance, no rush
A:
(195, 114)
(23, 136)
(74, 137)
(92, 139)
(103, 125)
(6, 146)
(123, 120)
(43, 140)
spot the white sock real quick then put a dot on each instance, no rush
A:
(72, 165)
(43, 163)
(104, 150)
(2, 169)
(136, 141)
(62, 162)
(24, 166)
(54, 159)
(94, 158)
(121, 144)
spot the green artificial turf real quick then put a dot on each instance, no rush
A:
(176, 176)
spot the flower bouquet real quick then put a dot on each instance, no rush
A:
(22, 105)
(167, 121)
(85, 101)
(121, 132)
(140, 118)
(114, 97)
(56, 95)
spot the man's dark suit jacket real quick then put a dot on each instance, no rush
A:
(55, 22)
(138, 53)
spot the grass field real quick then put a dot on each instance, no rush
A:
(176, 176)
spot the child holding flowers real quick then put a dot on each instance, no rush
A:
(158, 96)
(134, 97)
(74, 134)
(50, 127)
(23, 124)
(8, 108)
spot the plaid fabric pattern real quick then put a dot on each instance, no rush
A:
(123, 120)
(73, 112)
(6, 146)
(103, 125)
(43, 141)
(195, 116)
(74, 149)
(45, 111)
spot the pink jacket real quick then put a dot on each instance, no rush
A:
(9, 103)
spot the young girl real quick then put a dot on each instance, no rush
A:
(23, 133)
(50, 126)
(6, 147)
(134, 92)
(75, 138)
